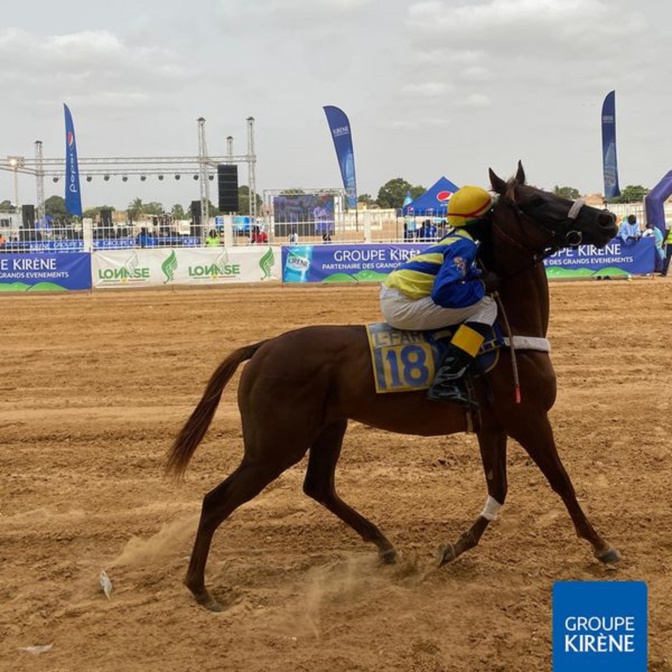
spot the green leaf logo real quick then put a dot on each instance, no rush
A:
(266, 264)
(169, 266)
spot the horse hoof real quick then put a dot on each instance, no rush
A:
(610, 556)
(388, 557)
(210, 603)
(206, 600)
(445, 554)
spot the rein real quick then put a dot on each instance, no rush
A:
(571, 238)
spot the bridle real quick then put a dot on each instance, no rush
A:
(564, 235)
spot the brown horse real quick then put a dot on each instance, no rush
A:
(299, 390)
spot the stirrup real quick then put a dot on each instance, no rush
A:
(452, 392)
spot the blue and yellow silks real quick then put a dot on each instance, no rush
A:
(445, 271)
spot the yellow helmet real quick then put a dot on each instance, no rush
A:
(467, 204)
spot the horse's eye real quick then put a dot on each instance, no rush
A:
(535, 202)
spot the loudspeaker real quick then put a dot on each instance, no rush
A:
(28, 216)
(106, 228)
(196, 227)
(227, 182)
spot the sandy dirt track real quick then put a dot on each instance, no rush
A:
(94, 388)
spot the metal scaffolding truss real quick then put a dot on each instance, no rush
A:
(202, 167)
(129, 165)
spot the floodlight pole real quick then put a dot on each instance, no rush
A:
(39, 180)
(15, 164)
(203, 176)
(251, 176)
(16, 188)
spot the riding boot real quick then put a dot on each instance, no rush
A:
(460, 353)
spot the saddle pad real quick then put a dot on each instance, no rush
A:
(404, 361)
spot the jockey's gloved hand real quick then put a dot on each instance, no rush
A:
(491, 281)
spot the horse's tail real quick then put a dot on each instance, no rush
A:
(197, 425)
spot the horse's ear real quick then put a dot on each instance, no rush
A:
(498, 184)
(520, 173)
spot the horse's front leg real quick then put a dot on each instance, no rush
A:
(492, 443)
(535, 435)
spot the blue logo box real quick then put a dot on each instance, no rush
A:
(600, 626)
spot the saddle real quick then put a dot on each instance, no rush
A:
(406, 361)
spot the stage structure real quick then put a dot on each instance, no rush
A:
(203, 167)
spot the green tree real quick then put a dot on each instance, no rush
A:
(244, 200)
(135, 209)
(177, 211)
(392, 193)
(153, 208)
(367, 200)
(631, 194)
(94, 213)
(566, 192)
(7, 206)
(55, 206)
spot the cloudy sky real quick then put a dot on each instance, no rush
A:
(431, 88)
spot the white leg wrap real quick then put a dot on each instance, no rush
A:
(492, 507)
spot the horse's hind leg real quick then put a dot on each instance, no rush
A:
(535, 435)
(319, 484)
(247, 481)
(492, 443)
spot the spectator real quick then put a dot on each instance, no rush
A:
(427, 231)
(668, 251)
(213, 239)
(259, 236)
(2, 241)
(652, 231)
(144, 238)
(326, 236)
(629, 231)
(293, 237)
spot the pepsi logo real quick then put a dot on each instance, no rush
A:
(70, 138)
(443, 196)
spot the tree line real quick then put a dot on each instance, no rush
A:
(393, 193)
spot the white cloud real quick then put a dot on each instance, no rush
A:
(474, 100)
(92, 67)
(427, 89)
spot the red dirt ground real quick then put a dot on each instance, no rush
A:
(96, 386)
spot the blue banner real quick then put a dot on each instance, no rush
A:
(609, 162)
(614, 259)
(340, 132)
(73, 196)
(344, 263)
(45, 272)
(373, 262)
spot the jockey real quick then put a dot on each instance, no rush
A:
(442, 286)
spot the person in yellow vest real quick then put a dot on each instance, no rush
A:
(213, 239)
(443, 286)
(668, 251)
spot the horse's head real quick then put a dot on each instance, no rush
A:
(543, 222)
